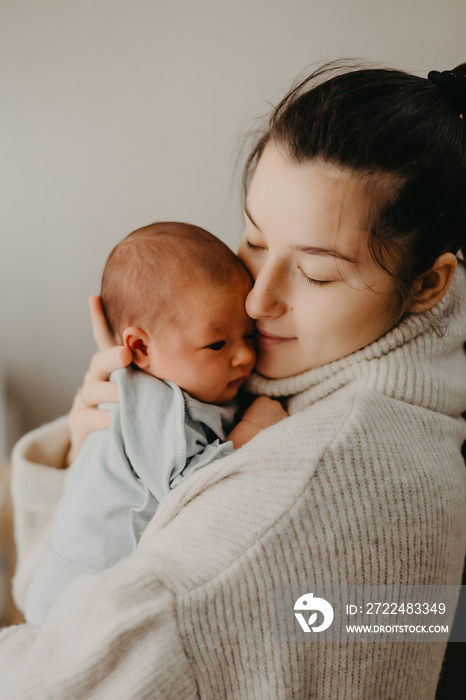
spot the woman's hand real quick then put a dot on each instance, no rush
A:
(84, 416)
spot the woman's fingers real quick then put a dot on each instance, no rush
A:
(85, 421)
(84, 416)
(102, 335)
(97, 389)
(98, 392)
(82, 421)
(105, 362)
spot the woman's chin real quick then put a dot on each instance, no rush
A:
(279, 363)
(273, 368)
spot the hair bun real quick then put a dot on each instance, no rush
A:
(453, 85)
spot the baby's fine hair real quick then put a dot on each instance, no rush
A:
(150, 273)
(403, 138)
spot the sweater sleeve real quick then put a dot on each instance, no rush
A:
(112, 635)
(36, 490)
(159, 623)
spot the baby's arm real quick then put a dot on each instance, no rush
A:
(262, 413)
(91, 527)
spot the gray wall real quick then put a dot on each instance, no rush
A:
(115, 114)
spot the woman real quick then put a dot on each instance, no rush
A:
(355, 224)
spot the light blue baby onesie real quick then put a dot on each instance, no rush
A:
(159, 436)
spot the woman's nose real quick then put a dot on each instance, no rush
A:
(267, 297)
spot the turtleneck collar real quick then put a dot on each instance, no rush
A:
(415, 349)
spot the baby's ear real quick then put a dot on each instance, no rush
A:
(137, 341)
(430, 287)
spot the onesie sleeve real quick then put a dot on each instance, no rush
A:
(91, 528)
(167, 434)
(114, 486)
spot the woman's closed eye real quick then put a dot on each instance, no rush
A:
(252, 246)
(313, 281)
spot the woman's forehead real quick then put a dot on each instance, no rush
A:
(315, 203)
(306, 205)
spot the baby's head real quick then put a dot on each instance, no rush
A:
(174, 294)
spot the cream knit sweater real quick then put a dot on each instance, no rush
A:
(363, 484)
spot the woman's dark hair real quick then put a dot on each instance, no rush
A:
(393, 128)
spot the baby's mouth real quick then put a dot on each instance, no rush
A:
(238, 381)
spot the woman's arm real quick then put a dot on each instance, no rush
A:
(108, 636)
(191, 612)
(123, 633)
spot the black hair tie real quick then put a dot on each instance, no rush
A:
(453, 87)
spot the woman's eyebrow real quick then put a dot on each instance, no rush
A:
(311, 250)
(326, 252)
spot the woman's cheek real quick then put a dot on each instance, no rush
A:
(253, 267)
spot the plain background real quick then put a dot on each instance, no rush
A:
(118, 113)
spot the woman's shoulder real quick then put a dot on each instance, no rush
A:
(360, 435)
(384, 429)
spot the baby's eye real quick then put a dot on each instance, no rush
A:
(250, 337)
(217, 346)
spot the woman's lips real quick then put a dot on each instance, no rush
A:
(269, 340)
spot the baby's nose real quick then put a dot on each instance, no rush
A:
(244, 355)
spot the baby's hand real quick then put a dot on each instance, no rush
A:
(264, 412)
